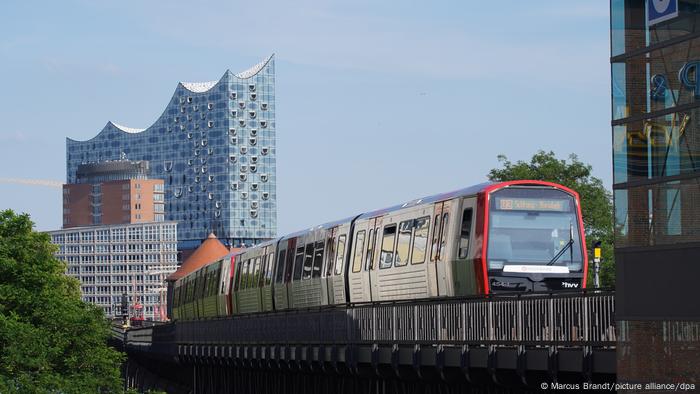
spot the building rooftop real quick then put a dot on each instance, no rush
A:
(209, 251)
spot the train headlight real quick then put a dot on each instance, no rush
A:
(496, 264)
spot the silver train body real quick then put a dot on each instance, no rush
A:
(466, 242)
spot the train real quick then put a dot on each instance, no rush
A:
(495, 237)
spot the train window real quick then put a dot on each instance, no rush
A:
(436, 237)
(263, 270)
(239, 279)
(280, 266)
(443, 237)
(359, 245)
(215, 280)
(270, 266)
(222, 278)
(204, 280)
(255, 282)
(242, 276)
(404, 244)
(198, 286)
(386, 258)
(298, 263)
(318, 260)
(207, 284)
(370, 247)
(308, 260)
(248, 278)
(464, 233)
(236, 284)
(288, 266)
(341, 255)
(330, 257)
(420, 239)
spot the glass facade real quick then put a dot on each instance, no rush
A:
(214, 147)
(112, 260)
(656, 124)
(655, 76)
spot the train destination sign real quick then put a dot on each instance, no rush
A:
(532, 204)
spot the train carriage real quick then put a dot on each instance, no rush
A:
(493, 237)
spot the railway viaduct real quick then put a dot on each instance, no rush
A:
(489, 344)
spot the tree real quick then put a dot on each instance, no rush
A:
(596, 201)
(50, 341)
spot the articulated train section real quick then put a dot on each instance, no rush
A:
(500, 341)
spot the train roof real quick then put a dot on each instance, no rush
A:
(323, 226)
(467, 191)
(464, 192)
(272, 241)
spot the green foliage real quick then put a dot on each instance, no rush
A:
(596, 201)
(50, 341)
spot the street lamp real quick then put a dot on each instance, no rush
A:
(596, 264)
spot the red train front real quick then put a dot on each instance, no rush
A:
(533, 237)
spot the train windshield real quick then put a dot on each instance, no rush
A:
(533, 226)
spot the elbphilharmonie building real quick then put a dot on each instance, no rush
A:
(214, 147)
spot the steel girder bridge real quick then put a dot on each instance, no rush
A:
(490, 344)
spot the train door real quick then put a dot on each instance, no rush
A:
(327, 251)
(372, 256)
(438, 248)
(221, 291)
(463, 270)
(319, 285)
(331, 236)
(266, 278)
(339, 272)
(288, 270)
(358, 279)
(297, 271)
(229, 289)
(280, 288)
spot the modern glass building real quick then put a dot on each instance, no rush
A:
(655, 60)
(214, 146)
(109, 261)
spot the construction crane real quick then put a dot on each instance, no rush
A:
(32, 182)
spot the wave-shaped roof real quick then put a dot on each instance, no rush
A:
(255, 69)
(197, 87)
(126, 129)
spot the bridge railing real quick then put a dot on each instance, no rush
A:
(566, 319)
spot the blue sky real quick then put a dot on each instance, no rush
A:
(377, 102)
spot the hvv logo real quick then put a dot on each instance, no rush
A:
(687, 76)
(661, 10)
